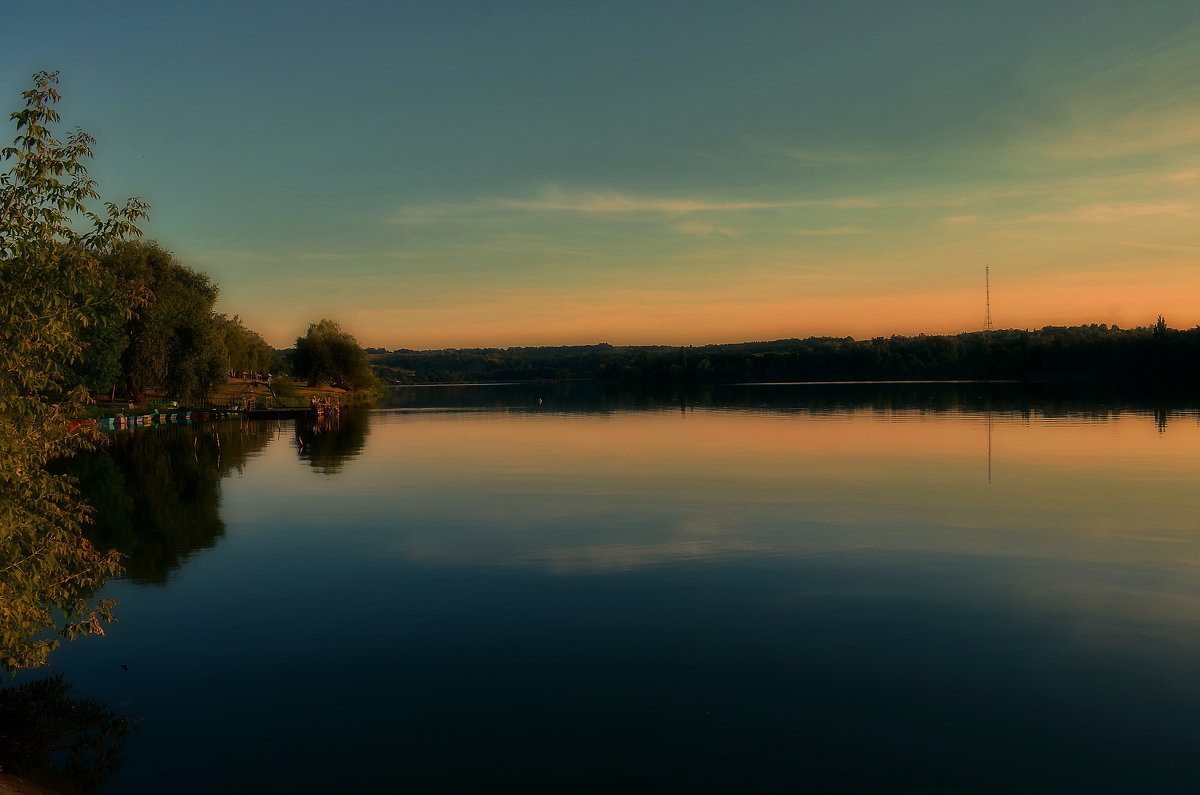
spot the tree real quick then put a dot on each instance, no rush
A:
(176, 343)
(326, 354)
(245, 350)
(51, 289)
(99, 369)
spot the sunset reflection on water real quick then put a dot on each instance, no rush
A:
(783, 592)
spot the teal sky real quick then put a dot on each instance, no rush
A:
(491, 173)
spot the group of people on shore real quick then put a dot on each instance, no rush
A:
(256, 377)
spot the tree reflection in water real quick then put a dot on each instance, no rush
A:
(155, 497)
(332, 441)
(66, 744)
(157, 492)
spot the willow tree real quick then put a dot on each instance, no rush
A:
(52, 288)
(328, 355)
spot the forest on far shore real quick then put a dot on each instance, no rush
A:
(1156, 352)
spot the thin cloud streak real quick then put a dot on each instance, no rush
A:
(555, 201)
(706, 230)
(625, 204)
(839, 230)
(1187, 175)
(1109, 213)
(833, 157)
(1130, 106)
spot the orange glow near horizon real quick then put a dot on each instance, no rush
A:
(647, 319)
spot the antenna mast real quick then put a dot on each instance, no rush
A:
(987, 297)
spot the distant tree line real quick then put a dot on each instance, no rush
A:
(1155, 352)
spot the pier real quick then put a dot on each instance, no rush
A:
(316, 408)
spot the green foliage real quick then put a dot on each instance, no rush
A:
(48, 186)
(284, 387)
(99, 366)
(328, 355)
(245, 350)
(51, 290)
(176, 343)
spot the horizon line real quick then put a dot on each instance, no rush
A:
(1108, 326)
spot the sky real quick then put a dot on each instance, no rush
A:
(464, 174)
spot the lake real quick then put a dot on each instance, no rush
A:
(767, 588)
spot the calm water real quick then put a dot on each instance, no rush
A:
(756, 589)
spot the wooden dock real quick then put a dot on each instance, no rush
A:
(319, 407)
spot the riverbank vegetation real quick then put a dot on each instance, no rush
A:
(86, 308)
(174, 345)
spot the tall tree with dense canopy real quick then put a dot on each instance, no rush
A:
(176, 343)
(52, 287)
(245, 350)
(328, 355)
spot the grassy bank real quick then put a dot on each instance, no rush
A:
(237, 390)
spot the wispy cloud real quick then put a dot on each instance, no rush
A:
(1143, 131)
(1110, 213)
(554, 200)
(1146, 103)
(960, 219)
(836, 230)
(1187, 175)
(706, 230)
(412, 214)
(833, 157)
(320, 256)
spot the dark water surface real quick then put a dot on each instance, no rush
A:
(754, 589)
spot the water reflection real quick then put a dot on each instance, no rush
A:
(157, 491)
(1098, 401)
(329, 442)
(56, 740)
(781, 480)
(786, 590)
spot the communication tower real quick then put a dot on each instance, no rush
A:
(987, 297)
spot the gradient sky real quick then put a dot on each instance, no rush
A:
(513, 173)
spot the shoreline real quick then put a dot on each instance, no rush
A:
(232, 393)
